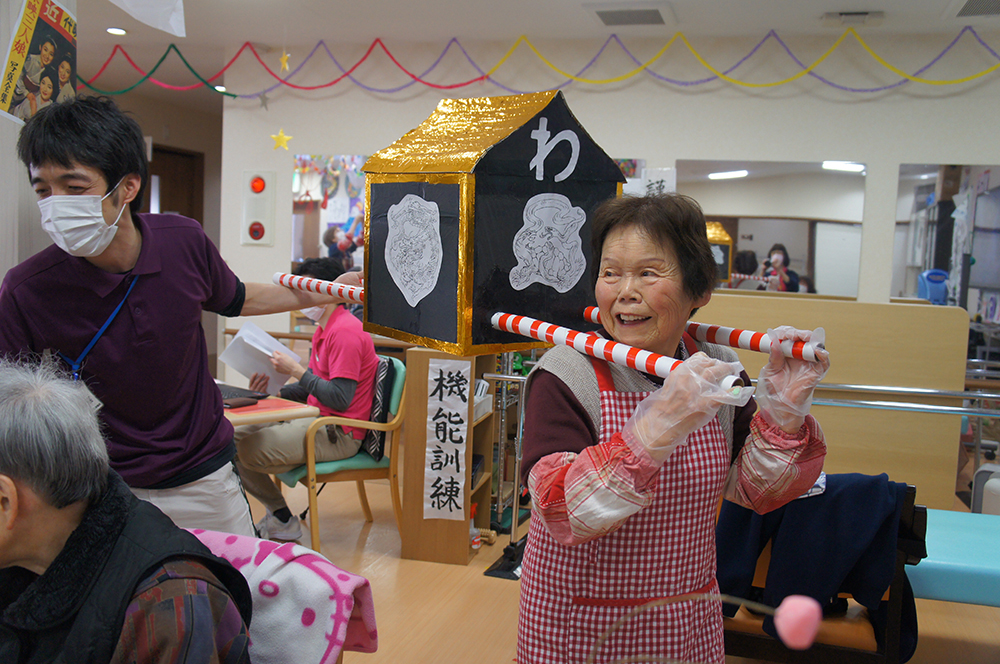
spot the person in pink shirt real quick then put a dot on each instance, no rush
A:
(340, 381)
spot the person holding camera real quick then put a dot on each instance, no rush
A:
(780, 277)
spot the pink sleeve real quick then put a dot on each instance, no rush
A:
(582, 496)
(775, 467)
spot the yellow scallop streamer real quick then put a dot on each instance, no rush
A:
(729, 79)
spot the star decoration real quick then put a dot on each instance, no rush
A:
(280, 139)
(263, 100)
(284, 61)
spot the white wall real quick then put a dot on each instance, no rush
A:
(838, 248)
(640, 118)
(8, 164)
(904, 199)
(820, 196)
(899, 245)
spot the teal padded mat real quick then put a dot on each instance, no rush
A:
(963, 559)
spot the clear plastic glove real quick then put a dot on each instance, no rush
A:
(785, 387)
(351, 279)
(688, 400)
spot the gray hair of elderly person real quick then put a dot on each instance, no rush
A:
(50, 435)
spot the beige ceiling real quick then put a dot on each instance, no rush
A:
(216, 27)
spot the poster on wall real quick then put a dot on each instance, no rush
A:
(989, 306)
(632, 169)
(40, 68)
(447, 433)
(659, 181)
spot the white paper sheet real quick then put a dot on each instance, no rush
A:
(447, 433)
(166, 15)
(250, 351)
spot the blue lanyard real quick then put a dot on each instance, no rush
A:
(75, 365)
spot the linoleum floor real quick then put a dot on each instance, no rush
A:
(435, 613)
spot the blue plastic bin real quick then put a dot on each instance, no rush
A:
(933, 285)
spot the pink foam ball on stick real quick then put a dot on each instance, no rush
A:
(797, 621)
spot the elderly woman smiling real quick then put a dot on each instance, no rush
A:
(626, 471)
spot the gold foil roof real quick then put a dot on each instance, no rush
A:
(457, 134)
(717, 234)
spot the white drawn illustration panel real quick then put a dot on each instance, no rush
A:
(548, 247)
(413, 247)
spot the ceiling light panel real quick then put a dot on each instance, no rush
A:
(728, 175)
(615, 18)
(980, 8)
(631, 14)
(837, 19)
(848, 166)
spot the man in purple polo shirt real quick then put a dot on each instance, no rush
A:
(119, 298)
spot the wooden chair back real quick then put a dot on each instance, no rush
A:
(847, 639)
(362, 466)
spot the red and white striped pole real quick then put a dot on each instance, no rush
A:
(591, 344)
(755, 277)
(734, 338)
(351, 293)
(758, 341)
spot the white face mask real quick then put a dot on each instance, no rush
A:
(777, 259)
(314, 314)
(76, 223)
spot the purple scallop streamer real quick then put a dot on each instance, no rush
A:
(614, 38)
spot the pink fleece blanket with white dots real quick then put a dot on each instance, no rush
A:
(304, 606)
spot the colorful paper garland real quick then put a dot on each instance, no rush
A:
(641, 67)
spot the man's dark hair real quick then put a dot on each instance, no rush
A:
(327, 269)
(91, 131)
(672, 220)
(745, 262)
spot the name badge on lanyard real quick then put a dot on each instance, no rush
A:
(75, 365)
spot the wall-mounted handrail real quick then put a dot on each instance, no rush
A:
(973, 413)
(907, 391)
(911, 407)
(982, 373)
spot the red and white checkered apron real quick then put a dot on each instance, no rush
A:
(571, 595)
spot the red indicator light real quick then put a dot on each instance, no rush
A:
(257, 184)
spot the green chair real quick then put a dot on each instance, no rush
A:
(360, 467)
